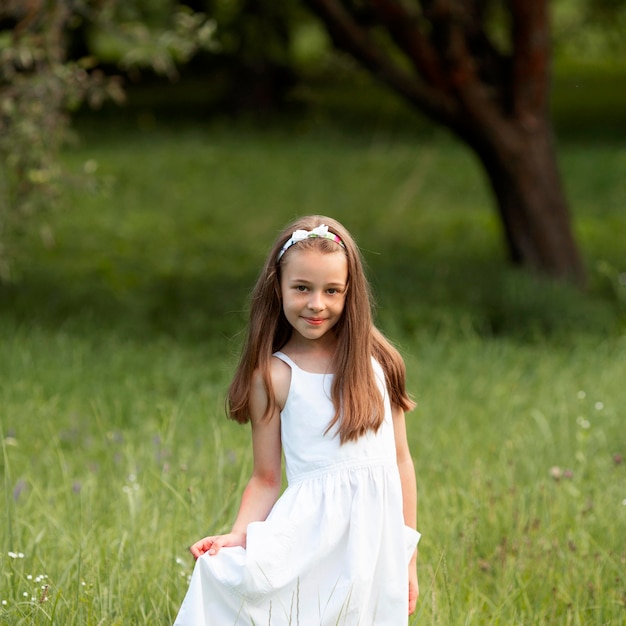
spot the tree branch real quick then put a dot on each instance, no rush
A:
(404, 28)
(531, 58)
(456, 32)
(492, 64)
(354, 39)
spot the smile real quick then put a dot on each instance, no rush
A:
(314, 321)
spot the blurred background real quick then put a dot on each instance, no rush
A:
(150, 151)
(176, 122)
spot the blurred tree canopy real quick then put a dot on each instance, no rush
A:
(589, 28)
(41, 83)
(479, 67)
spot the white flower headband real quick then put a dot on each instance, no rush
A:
(301, 235)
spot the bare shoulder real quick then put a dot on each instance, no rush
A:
(281, 380)
(280, 375)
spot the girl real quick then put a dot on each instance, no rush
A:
(319, 383)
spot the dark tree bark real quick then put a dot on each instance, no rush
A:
(494, 101)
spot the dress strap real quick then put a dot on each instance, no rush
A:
(285, 359)
(295, 367)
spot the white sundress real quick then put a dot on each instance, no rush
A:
(334, 550)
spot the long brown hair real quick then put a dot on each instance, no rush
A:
(355, 395)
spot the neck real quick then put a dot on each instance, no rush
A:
(315, 356)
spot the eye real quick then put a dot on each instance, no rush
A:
(332, 291)
(300, 288)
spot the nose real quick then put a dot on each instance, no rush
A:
(316, 302)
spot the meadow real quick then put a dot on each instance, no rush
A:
(120, 333)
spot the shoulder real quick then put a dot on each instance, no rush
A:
(280, 374)
(280, 378)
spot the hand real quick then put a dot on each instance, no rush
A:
(212, 545)
(414, 588)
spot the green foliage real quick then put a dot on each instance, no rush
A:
(255, 30)
(39, 86)
(587, 30)
(134, 44)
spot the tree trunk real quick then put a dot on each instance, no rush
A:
(523, 172)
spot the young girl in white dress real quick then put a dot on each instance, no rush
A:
(321, 386)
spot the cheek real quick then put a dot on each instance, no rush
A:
(291, 303)
(340, 306)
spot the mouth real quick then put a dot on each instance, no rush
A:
(314, 321)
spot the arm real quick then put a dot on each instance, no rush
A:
(264, 485)
(409, 494)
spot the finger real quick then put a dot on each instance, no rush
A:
(202, 546)
(195, 550)
(215, 547)
(413, 596)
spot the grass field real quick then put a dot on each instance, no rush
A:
(118, 341)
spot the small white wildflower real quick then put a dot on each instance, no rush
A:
(582, 422)
(132, 478)
(4, 603)
(32, 598)
(599, 406)
(556, 472)
(13, 555)
(624, 501)
(25, 594)
(581, 395)
(29, 577)
(179, 561)
(20, 555)
(83, 583)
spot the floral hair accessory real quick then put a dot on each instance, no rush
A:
(301, 235)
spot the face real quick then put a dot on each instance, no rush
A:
(313, 286)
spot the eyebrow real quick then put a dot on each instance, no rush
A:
(308, 282)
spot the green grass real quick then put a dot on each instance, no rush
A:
(118, 341)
